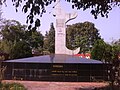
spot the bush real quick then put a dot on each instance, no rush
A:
(12, 86)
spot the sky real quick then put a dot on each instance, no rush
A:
(109, 28)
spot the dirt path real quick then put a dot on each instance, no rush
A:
(38, 85)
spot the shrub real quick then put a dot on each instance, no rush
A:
(12, 86)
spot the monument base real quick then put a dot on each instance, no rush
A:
(65, 68)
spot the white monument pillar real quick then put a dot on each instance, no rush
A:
(60, 31)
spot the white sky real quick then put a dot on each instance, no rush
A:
(109, 28)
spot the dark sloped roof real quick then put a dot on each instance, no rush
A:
(55, 58)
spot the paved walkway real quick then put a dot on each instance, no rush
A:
(38, 85)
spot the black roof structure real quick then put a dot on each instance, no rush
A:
(55, 58)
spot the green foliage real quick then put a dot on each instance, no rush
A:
(35, 41)
(100, 50)
(82, 35)
(105, 52)
(12, 86)
(12, 30)
(36, 7)
(51, 39)
(116, 52)
(21, 50)
(116, 49)
(16, 38)
(14, 35)
(46, 44)
(34, 38)
(6, 46)
(49, 42)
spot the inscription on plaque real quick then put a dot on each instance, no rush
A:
(58, 70)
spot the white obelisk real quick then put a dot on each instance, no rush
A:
(60, 31)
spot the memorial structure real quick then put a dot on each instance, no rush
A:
(60, 31)
(61, 66)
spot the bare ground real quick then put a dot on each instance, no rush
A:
(39, 85)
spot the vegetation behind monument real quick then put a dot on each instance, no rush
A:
(49, 41)
(17, 41)
(106, 52)
(82, 35)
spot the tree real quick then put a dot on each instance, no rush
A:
(46, 44)
(116, 52)
(21, 50)
(6, 46)
(13, 32)
(35, 41)
(34, 38)
(116, 61)
(101, 51)
(49, 41)
(116, 49)
(82, 35)
(3, 56)
(105, 52)
(116, 58)
(116, 42)
(36, 7)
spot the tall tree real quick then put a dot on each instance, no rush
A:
(108, 53)
(3, 56)
(5, 46)
(12, 30)
(49, 41)
(36, 7)
(82, 35)
(46, 44)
